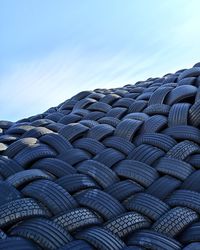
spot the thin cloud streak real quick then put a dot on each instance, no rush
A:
(163, 42)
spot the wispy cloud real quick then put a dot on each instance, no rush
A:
(147, 46)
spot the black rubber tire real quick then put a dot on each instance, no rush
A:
(194, 114)
(119, 143)
(77, 218)
(184, 133)
(100, 202)
(109, 157)
(53, 196)
(146, 154)
(123, 189)
(126, 223)
(175, 221)
(178, 114)
(76, 182)
(73, 131)
(195, 71)
(8, 167)
(77, 245)
(191, 234)
(192, 182)
(17, 243)
(18, 210)
(20, 144)
(148, 205)
(137, 171)
(181, 94)
(181, 171)
(99, 132)
(185, 198)
(47, 234)
(165, 185)
(33, 153)
(154, 124)
(159, 95)
(102, 174)
(8, 193)
(57, 142)
(153, 240)
(54, 166)
(91, 145)
(183, 149)
(164, 142)
(101, 239)
(127, 128)
(26, 176)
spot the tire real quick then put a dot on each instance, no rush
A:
(91, 145)
(77, 245)
(57, 142)
(161, 141)
(127, 128)
(123, 189)
(119, 143)
(100, 202)
(192, 182)
(74, 156)
(76, 182)
(8, 193)
(27, 176)
(181, 171)
(181, 94)
(182, 150)
(77, 218)
(101, 131)
(109, 120)
(178, 114)
(194, 160)
(136, 171)
(102, 174)
(153, 240)
(195, 71)
(17, 243)
(191, 234)
(8, 167)
(154, 124)
(53, 196)
(36, 132)
(192, 246)
(146, 154)
(166, 185)
(157, 109)
(73, 131)
(185, 198)
(183, 132)
(175, 221)
(17, 146)
(45, 233)
(101, 239)
(100, 106)
(18, 210)
(194, 114)
(54, 166)
(31, 154)
(127, 223)
(159, 95)
(147, 205)
(109, 157)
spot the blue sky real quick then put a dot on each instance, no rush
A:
(50, 50)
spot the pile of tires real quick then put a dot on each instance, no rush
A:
(108, 169)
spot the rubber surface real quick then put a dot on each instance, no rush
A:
(109, 169)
